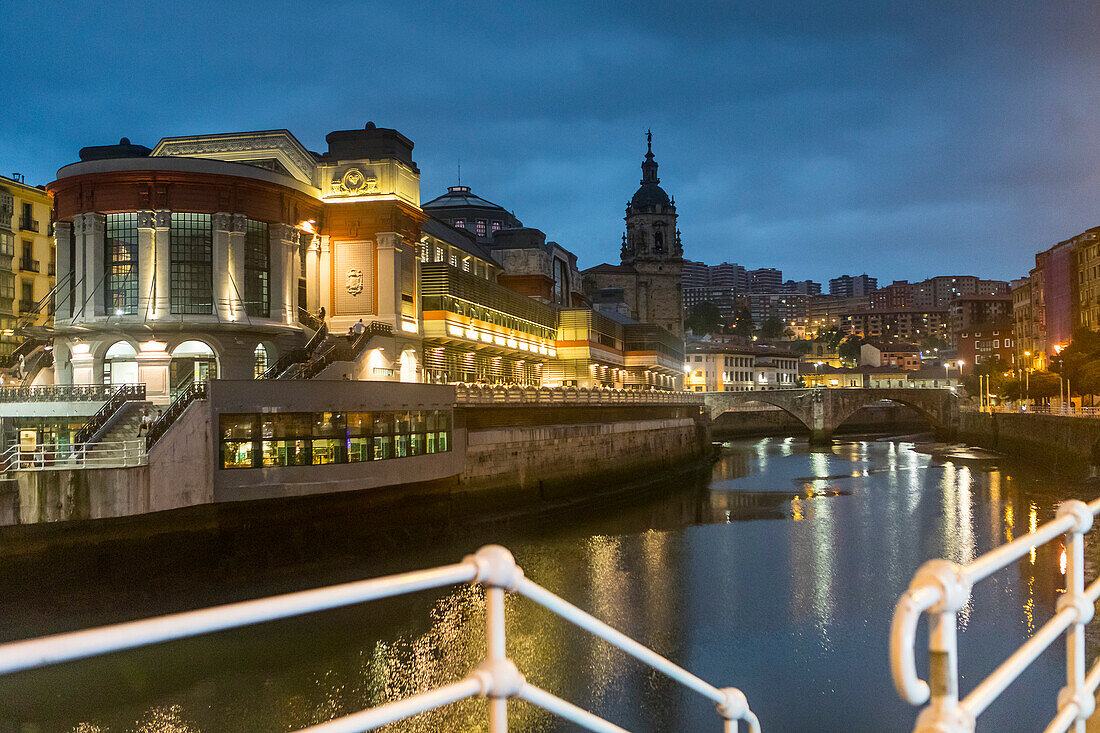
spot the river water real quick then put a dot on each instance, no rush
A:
(776, 572)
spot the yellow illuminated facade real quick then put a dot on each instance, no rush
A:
(27, 258)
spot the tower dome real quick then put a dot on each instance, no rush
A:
(650, 197)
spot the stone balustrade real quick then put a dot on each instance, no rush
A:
(475, 394)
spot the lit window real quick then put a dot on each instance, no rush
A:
(480, 228)
(460, 223)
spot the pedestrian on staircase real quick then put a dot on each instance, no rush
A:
(146, 421)
(21, 372)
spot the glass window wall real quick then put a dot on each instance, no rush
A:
(273, 440)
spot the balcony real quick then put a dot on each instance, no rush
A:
(51, 268)
(27, 224)
(28, 265)
(26, 306)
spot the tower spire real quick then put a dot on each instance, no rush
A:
(649, 165)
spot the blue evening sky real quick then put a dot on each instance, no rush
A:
(904, 139)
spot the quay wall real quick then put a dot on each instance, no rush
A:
(557, 452)
(1067, 445)
(503, 457)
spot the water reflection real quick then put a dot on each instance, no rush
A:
(778, 576)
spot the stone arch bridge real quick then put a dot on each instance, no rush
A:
(822, 410)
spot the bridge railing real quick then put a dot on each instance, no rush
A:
(941, 588)
(496, 679)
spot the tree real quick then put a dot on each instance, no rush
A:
(831, 336)
(849, 348)
(742, 322)
(802, 346)
(1041, 385)
(772, 328)
(704, 318)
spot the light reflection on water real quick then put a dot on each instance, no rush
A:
(780, 578)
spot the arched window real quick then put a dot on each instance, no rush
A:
(260, 362)
(192, 361)
(408, 365)
(120, 364)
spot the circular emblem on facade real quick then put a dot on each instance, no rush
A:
(354, 181)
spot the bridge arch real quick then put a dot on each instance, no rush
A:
(929, 416)
(803, 417)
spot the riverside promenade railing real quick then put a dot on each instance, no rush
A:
(74, 456)
(941, 588)
(475, 394)
(1066, 410)
(496, 679)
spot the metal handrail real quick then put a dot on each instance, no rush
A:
(120, 396)
(343, 352)
(497, 678)
(941, 588)
(57, 393)
(311, 320)
(192, 392)
(47, 457)
(284, 362)
(25, 348)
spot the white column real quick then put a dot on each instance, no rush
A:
(94, 244)
(286, 268)
(388, 266)
(63, 301)
(312, 254)
(227, 304)
(324, 273)
(278, 275)
(146, 248)
(162, 263)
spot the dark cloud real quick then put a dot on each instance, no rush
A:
(901, 139)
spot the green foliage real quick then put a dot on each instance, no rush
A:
(1080, 362)
(831, 336)
(802, 346)
(704, 318)
(1041, 385)
(849, 348)
(772, 328)
(742, 322)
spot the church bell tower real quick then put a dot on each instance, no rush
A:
(651, 246)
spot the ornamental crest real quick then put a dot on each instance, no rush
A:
(354, 182)
(354, 283)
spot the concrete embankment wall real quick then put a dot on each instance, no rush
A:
(565, 452)
(505, 458)
(1068, 445)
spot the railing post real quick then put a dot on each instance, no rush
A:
(498, 572)
(943, 714)
(495, 634)
(1074, 692)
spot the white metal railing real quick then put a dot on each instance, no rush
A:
(496, 679)
(1067, 410)
(940, 588)
(49, 457)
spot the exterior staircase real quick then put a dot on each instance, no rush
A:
(127, 423)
